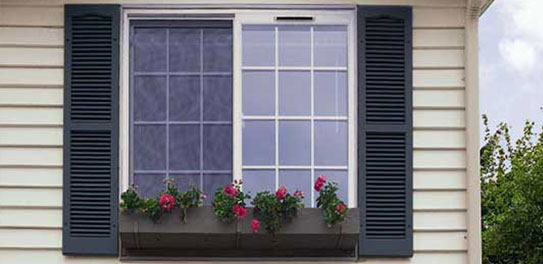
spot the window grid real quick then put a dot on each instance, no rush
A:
(276, 117)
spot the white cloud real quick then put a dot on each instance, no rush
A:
(520, 54)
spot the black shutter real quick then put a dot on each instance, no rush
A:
(91, 130)
(385, 152)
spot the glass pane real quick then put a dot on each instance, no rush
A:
(149, 185)
(212, 182)
(331, 143)
(149, 98)
(330, 93)
(294, 46)
(339, 177)
(294, 93)
(185, 49)
(149, 147)
(294, 143)
(295, 180)
(217, 147)
(184, 98)
(149, 49)
(258, 93)
(218, 98)
(184, 181)
(255, 181)
(184, 147)
(258, 143)
(258, 45)
(330, 46)
(218, 50)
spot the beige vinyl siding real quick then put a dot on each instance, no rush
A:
(31, 81)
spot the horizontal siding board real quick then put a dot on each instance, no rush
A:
(445, 241)
(423, 258)
(25, 36)
(440, 58)
(26, 256)
(42, 177)
(30, 238)
(439, 179)
(438, 119)
(35, 218)
(439, 159)
(28, 76)
(30, 136)
(32, 16)
(438, 38)
(18, 156)
(30, 116)
(29, 197)
(439, 221)
(439, 200)
(433, 98)
(439, 139)
(438, 78)
(438, 17)
(32, 57)
(31, 97)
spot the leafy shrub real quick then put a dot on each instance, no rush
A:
(271, 209)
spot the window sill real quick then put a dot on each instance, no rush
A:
(204, 236)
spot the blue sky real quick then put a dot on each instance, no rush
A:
(511, 63)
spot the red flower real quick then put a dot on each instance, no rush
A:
(254, 225)
(299, 194)
(340, 207)
(167, 201)
(319, 183)
(239, 211)
(281, 192)
(231, 191)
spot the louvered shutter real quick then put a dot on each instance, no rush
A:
(385, 153)
(91, 130)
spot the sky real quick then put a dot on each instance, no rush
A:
(511, 63)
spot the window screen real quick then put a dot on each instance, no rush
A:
(181, 104)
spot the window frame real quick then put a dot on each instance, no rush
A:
(335, 15)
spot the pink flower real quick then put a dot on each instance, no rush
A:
(281, 192)
(239, 211)
(299, 194)
(167, 201)
(231, 191)
(254, 225)
(340, 207)
(319, 183)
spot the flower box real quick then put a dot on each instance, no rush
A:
(205, 236)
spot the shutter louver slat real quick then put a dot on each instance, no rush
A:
(385, 144)
(91, 130)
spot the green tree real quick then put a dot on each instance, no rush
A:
(512, 196)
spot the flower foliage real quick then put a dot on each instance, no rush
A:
(169, 199)
(333, 208)
(271, 209)
(229, 202)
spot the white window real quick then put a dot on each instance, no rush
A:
(293, 102)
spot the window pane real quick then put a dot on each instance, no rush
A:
(212, 182)
(331, 143)
(258, 45)
(295, 180)
(149, 185)
(185, 49)
(184, 181)
(294, 93)
(339, 177)
(330, 93)
(258, 92)
(217, 50)
(330, 46)
(255, 181)
(150, 147)
(258, 143)
(217, 147)
(149, 98)
(217, 98)
(184, 98)
(149, 50)
(294, 46)
(184, 147)
(294, 143)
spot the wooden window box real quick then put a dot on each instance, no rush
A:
(205, 236)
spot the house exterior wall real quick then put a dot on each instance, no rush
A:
(31, 105)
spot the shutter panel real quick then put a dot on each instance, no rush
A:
(91, 130)
(385, 153)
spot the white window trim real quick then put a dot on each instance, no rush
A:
(242, 17)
